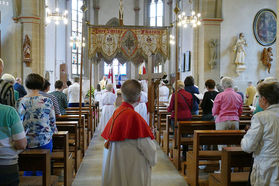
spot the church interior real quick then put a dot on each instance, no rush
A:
(159, 42)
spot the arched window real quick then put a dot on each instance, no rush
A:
(118, 68)
(76, 32)
(156, 13)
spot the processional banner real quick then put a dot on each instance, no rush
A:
(128, 42)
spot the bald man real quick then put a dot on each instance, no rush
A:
(6, 89)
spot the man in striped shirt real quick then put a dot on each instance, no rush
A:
(6, 89)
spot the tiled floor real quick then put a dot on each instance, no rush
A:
(90, 172)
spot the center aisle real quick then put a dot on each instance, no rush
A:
(90, 172)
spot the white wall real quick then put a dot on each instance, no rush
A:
(110, 8)
(10, 41)
(238, 17)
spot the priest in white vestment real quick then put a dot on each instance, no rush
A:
(164, 92)
(141, 108)
(107, 103)
(130, 148)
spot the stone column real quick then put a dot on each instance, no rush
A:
(97, 65)
(209, 30)
(32, 19)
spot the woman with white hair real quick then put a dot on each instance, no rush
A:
(227, 107)
(11, 79)
(262, 138)
(107, 103)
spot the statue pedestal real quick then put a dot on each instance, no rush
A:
(240, 68)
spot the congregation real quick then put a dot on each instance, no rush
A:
(30, 117)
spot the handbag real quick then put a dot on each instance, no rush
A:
(184, 100)
(107, 143)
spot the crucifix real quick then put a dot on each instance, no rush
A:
(153, 84)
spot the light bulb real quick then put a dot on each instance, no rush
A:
(199, 14)
(47, 20)
(66, 12)
(199, 23)
(57, 9)
(193, 12)
(185, 25)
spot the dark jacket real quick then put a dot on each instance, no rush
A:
(193, 90)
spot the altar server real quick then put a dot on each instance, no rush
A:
(130, 150)
(142, 108)
(107, 103)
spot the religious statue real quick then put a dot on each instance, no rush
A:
(27, 50)
(213, 52)
(121, 12)
(266, 57)
(239, 49)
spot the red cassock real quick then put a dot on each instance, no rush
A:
(127, 125)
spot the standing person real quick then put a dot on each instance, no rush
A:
(73, 93)
(262, 138)
(130, 150)
(191, 88)
(103, 82)
(12, 139)
(65, 91)
(98, 93)
(11, 79)
(208, 99)
(107, 101)
(164, 92)
(7, 92)
(60, 96)
(141, 108)
(19, 87)
(118, 101)
(250, 93)
(235, 88)
(44, 92)
(227, 107)
(37, 115)
(184, 104)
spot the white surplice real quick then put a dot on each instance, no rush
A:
(107, 103)
(129, 162)
(141, 107)
(164, 94)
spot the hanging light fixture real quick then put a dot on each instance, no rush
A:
(193, 19)
(56, 16)
(75, 41)
(4, 3)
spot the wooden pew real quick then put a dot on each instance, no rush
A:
(166, 135)
(208, 137)
(61, 155)
(36, 160)
(72, 128)
(88, 124)
(232, 157)
(161, 123)
(81, 126)
(188, 128)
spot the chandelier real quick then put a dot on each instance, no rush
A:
(77, 42)
(56, 16)
(193, 20)
(4, 3)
